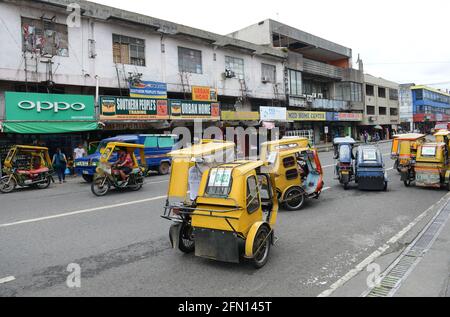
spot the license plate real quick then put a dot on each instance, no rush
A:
(428, 178)
(85, 172)
(345, 172)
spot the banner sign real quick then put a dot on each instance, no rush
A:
(306, 116)
(344, 116)
(148, 89)
(48, 107)
(273, 113)
(240, 116)
(124, 108)
(189, 109)
(200, 93)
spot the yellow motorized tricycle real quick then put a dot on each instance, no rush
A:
(433, 166)
(297, 169)
(119, 168)
(404, 152)
(26, 166)
(233, 216)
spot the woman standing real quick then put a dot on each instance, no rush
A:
(60, 164)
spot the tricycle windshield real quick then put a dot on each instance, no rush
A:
(219, 183)
(429, 151)
(101, 147)
(370, 155)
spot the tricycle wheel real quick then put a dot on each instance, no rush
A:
(186, 244)
(345, 186)
(294, 199)
(100, 186)
(385, 186)
(164, 168)
(88, 178)
(261, 247)
(45, 184)
(407, 183)
(7, 184)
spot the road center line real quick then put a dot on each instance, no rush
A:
(7, 279)
(380, 251)
(84, 211)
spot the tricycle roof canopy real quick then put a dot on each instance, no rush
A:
(346, 140)
(410, 136)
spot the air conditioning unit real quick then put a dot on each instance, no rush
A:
(314, 95)
(229, 73)
(319, 96)
(265, 80)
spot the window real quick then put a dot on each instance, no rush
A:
(370, 91)
(44, 37)
(128, 50)
(268, 73)
(381, 92)
(289, 162)
(219, 183)
(429, 151)
(382, 111)
(253, 202)
(393, 94)
(370, 110)
(189, 60)
(295, 83)
(419, 94)
(151, 142)
(349, 91)
(394, 111)
(370, 155)
(236, 65)
(166, 142)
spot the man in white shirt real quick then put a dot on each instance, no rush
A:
(79, 152)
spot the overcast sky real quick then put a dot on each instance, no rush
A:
(400, 40)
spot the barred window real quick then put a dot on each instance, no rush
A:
(268, 73)
(190, 60)
(236, 65)
(128, 50)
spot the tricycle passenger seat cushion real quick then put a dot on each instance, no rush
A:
(33, 172)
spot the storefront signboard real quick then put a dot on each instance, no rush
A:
(148, 89)
(200, 93)
(306, 116)
(273, 113)
(190, 109)
(136, 109)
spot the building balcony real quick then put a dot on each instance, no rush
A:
(322, 69)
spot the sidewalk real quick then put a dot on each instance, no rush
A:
(431, 276)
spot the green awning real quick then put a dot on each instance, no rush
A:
(48, 127)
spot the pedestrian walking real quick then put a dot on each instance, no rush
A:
(366, 137)
(60, 164)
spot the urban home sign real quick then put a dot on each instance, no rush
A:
(187, 109)
(48, 107)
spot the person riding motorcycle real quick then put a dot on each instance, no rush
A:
(124, 165)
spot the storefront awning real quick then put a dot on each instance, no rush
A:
(48, 127)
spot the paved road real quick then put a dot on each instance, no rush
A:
(124, 250)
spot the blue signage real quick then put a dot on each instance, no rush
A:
(148, 89)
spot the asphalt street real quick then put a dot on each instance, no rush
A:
(122, 246)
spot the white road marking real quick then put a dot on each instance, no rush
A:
(7, 279)
(165, 181)
(371, 258)
(84, 211)
(326, 188)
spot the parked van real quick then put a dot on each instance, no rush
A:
(156, 148)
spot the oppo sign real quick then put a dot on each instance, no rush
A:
(50, 106)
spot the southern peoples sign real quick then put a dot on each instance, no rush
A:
(48, 107)
(188, 109)
(124, 108)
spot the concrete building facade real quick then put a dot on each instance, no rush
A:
(381, 106)
(319, 77)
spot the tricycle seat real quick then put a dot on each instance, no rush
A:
(34, 171)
